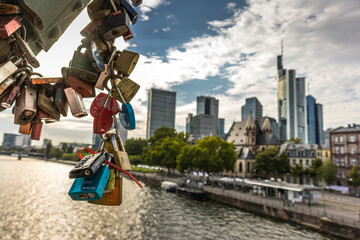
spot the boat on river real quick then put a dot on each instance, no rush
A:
(169, 186)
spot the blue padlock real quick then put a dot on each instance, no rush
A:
(127, 116)
(92, 188)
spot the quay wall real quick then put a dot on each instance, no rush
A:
(321, 224)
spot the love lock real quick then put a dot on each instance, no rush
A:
(127, 116)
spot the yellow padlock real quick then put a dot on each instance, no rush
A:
(126, 62)
(127, 87)
(112, 198)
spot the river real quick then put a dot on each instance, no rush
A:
(34, 205)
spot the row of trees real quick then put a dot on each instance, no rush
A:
(170, 149)
(271, 163)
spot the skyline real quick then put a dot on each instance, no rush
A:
(227, 52)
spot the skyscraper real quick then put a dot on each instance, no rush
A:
(190, 124)
(221, 128)
(291, 104)
(252, 106)
(161, 110)
(205, 123)
(314, 121)
(16, 140)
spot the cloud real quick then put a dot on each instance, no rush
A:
(148, 5)
(320, 42)
(166, 29)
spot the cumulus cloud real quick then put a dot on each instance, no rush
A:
(148, 5)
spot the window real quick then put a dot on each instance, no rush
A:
(341, 139)
(301, 162)
(336, 139)
(237, 134)
(288, 154)
(240, 167)
(248, 167)
(294, 161)
(338, 174)
(352, 138)
(352, 149)
(336, 149)
(300, 109)
(353, 162)
(337, 162)
(341, 149)
(295, 180)
(240, 128)
(313, 154)
(342, 162)
(326, 154)
(307, 162)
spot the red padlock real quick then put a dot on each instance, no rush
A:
(8, 26)
(102, 122)
(98, 105)
(85, 89)
(36, 130)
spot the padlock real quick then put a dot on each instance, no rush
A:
(6, 48)
(94, 7)
(26, 50)
(91, 188)
(126, 62)
(8, 25)
(103, 122)
(13, 93)
(103, 76)
(89, 30)
(103, 47)
(25, 106)
(129, 35)
(136, 3)
(36, 130)
(84, 88)
(60, 102)
(97, 61)
(115, 25)
(121, 158)
(99, 103)
(42, 115)
(46, 80)
(110, 186)
(81, 66)
(7, 84)
(76, 103)
(9, 9)
(113, 198)
(128, 89)
(127, 116)
(48, 106)
(89, 165)
(25, 129)
(133, 15)
(6, 70)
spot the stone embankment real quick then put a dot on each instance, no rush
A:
(314, 218)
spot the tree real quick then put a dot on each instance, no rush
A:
(315, 168)
(328, 172)
(48, 149)
(270, 162)
(295, 140)
(134, 146)
(210, 154)
(353, 179)
(64, 148)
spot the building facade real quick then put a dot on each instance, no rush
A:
(345, 150)
(314, 121)
(249, 137)
(161, 110)
(221, 128)
(16, 140)
(252, 106)
(190, 124)
(292, 113)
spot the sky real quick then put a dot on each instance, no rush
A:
(226, 49)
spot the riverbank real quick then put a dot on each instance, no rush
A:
(328, 221)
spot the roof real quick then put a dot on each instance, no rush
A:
(250, 123)
(245, 153)
(268, 139)
(266, 126)
(350, 128)
(283, 185)
(237, 133)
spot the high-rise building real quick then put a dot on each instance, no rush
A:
(291, 104)
(221, 128)
(16, 140)
(314, 121)
(252, 106)
(206, 121)
(161, 110)
(190, 124)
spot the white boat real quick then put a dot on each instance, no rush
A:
(169, 186)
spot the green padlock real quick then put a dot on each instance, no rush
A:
(81, 66)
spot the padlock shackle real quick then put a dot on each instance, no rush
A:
(111, 164)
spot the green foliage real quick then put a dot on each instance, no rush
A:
(353, 179)
(73, 156)
(295, 140)
(210, 154)
(136, 159)
(48, 148)
(270, 162)
(145, 170)
(297, 171)
(134, 146)
(315, 168)
(328, 172)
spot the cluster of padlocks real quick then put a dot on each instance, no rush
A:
(95, 64)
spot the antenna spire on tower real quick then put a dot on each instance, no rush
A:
(282, 47)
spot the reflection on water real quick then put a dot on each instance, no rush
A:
(34, 205)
